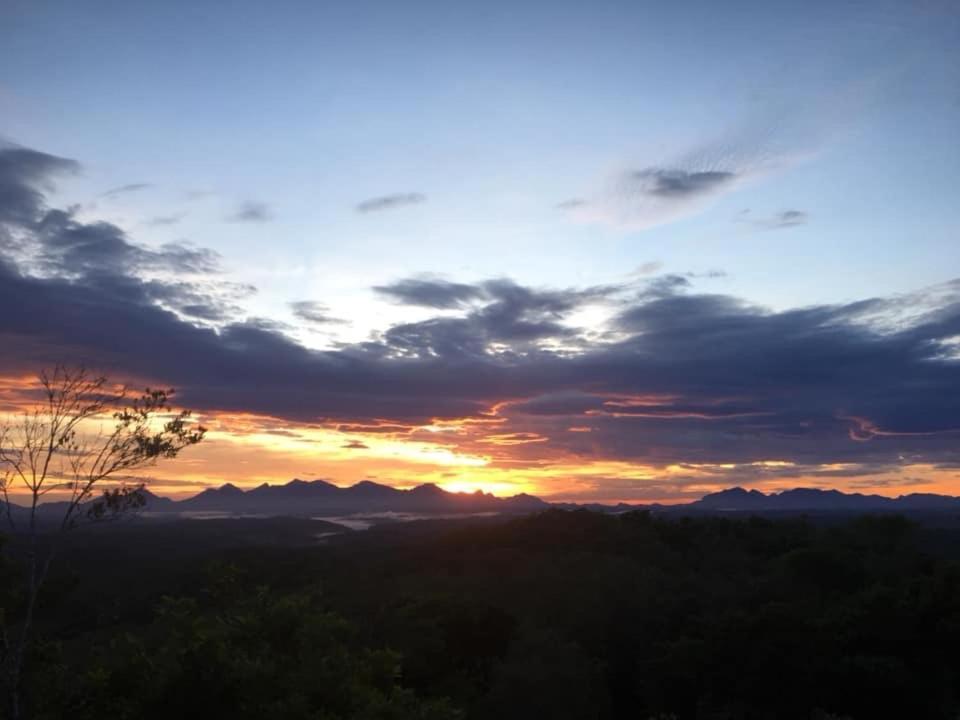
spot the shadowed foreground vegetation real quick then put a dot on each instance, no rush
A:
(568, 615)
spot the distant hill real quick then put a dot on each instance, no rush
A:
(319, 498)
(738, 499)
(299, 497)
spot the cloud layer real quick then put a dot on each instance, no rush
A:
(675, 377)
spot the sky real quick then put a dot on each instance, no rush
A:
(593, 251)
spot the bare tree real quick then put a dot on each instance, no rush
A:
(82, 435)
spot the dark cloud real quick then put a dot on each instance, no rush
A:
(215, 303)
(676, 183)
(699, 378)
(355, 445)
(314, 312)
(431, 293)
(389, 202)
(644, 198)
(124, 189)
(571, 204)
(53, 244)
(684, 378)
(24, 176)
(512, 318)
(251, 211)
(65, 245)
(664, 285)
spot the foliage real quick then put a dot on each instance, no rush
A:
(81, 434)
(241, 652)
(566, 615)
(62, 443)
(634, 616)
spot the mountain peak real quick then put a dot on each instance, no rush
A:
(428, 489)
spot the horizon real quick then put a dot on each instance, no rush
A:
(617, 253)
(178, 497)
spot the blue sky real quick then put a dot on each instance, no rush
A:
(846, 112)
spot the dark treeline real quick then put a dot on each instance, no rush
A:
(567, 615)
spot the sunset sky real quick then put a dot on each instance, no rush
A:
(609, 251)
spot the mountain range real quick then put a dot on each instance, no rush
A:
(300, 497)
(800, 499)
(312, 497)
(319, 497)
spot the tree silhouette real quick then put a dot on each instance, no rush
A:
(84, 433)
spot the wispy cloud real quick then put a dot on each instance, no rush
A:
(355, 445)
(125, 189)
(164, 220)
(776, 221)
(648, 268)
(314, 313)
(644, 192)
(251, 211)
(677, 183)
(389, 202)
(430, 292)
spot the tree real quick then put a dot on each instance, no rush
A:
(83, 435)
(241, 651)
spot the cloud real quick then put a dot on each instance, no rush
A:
(678, 183)
(648, 268)
(697, 378)
(638, 199)
(125, 189)
(251, 211)
(64, 245)
(355, 445)
(789, 218)
(510, 318)
(54, 242)
(165, 220)
(50, 243)
(676, 378)
(571, 204)
(389, 202)
(777, 221)
(314, 313)
(24, 176)
(645, 192)
(216, 302)
(431, 293)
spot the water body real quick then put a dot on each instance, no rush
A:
(364, 521)
(356, 521)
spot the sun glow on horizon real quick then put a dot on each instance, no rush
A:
(494, 455)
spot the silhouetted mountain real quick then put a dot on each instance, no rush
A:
(318, 497)
(155, 503)
(51, 514)
(213, 498)
(801, 499)
(313, 497)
